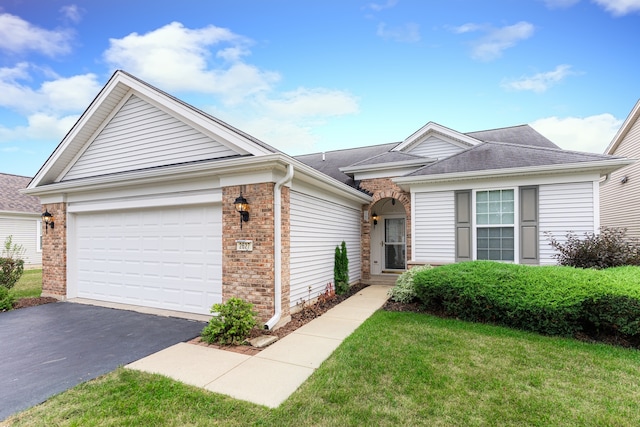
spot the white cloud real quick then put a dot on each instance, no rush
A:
(179, 59)
(540, 82)
(497, 40)
(619, 7)
(18, 36)
(377, 7)
(72, 13)
(62, 95)
(311, 102)
(467, 28)
(407, 33)
(591, 134)
(560, 4)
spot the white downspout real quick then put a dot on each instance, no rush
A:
(277, 247)
(606, 179)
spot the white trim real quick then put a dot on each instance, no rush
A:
(624, 129)
(516, 216)
(72, 256)
(596, 207)
(413, 227)
(452, 136)
(39, 236)
(199, 198)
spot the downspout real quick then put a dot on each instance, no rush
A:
(277, 247)
(606, 179)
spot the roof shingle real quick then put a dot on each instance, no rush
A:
(12, 200)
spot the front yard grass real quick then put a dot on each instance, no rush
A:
(29, 285)
(396, 369)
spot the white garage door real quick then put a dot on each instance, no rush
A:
(166, 258)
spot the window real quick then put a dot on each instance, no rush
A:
(495, 216)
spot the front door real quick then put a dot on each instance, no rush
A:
(394, 244)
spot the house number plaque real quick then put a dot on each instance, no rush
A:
(244, 245)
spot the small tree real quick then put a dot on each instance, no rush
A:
(11, 263)
(341, 269)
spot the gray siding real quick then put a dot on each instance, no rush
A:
(434, 147)
(564, 208)
(142, 136)
(317, 227)
(620, 202)
(434, 224)
(24, 231)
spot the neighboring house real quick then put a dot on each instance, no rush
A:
(20, 218)
(620, 195)
(143, 191)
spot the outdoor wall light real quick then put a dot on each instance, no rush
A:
(374, 217)
(624, 180)
(48, 220)
(242, 206)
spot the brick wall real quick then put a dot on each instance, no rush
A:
(382, 188)
(54, 252)
(250, 275)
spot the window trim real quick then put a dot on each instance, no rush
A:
(39, 236)
(516, 228)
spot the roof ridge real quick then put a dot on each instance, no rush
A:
(13, 174)
(347, 149)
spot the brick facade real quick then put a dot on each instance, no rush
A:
(382, 188)
(54, 252)
(250, 275)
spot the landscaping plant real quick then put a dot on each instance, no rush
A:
(341, 269)
(232, 323)
(550, 300)
(6, 299)
(609, 248)
(405, 291)
(11, 263)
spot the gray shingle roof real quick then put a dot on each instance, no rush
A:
(497, 155)
(12, 200)
(334, 160)
(390, 157)
(521, 135)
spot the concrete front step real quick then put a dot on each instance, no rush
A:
(383, 279)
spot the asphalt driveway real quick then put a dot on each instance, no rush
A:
(47, 349)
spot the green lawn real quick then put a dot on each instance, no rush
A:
(396, 369)
(29, 285)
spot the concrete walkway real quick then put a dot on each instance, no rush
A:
(271, 376)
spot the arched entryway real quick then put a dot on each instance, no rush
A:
(388, 237)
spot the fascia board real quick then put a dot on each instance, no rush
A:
(20, 214)
(603, 167)
(633, 116)
(432, 127)
(386, 166)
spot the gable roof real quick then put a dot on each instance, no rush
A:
(434, 128)
(521, 135)
(631, 119)
(120, 87)
(498, 156)
(11, 200)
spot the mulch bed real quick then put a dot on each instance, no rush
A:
(31, 302)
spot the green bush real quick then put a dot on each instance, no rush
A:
(231, 324)
(11, 263)
(6, 299)
(609, 248)
(548, 300)
(341, 269)
(404, 291)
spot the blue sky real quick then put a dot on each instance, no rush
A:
(310, 76)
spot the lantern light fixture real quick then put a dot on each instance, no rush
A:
(47, 218)
(242, 206)
(375, 219)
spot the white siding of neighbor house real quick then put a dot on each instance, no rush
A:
(565, 208)
(142, 136)
(25, 232)
(434, 227)
(435, 147)
(620, 202)
(317, 227)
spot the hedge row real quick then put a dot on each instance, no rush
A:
(550, 300)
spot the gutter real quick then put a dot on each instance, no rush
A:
(277, 273)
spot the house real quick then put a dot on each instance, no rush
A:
(156, 203)
(620, 195)
(20, 218)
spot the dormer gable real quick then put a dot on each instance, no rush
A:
(436, 142)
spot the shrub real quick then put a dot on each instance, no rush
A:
(11, 263)
(609, 248)
(341, 269)
(6, 299)
(404, 291)
(231, 324)
(549, 300)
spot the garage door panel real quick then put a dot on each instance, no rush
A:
(166, 257)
